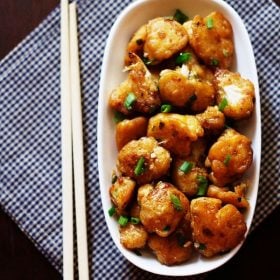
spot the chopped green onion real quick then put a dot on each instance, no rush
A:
(114, 178)
(183, 57)
(214, 62)
(118, 117)
(139, 169)
(202, 185)
(181, 239)
(139, 42)
(227, 160)
(134, 220)
(112, 211)
(129, 101)
(123, 221)
(225, 52)
(138, 253)
(201, 247)
(166, 228)
(191, 100)
(223, 104)
(180, 16)
(210, 23)
(186, 167)
(147, 61)
(166, 108)
(176, 202)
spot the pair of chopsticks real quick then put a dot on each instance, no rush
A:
(72, 147)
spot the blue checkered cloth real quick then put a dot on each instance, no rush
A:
(30, 159)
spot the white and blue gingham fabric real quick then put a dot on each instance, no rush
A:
(30, 164)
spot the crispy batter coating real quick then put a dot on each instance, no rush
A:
(136, 43)
(175, 248)
(188, 86)
(229, 157)
(214, 45)
(133, 236)
(165, 37)
(238, 92)
(187, 182)
(121, 192)
(139, 82)
(212, 120)
(156, 160)
(216, 229)
(158, 211)
(128, 130)
(198, 152)
(175, 132)
(227, 196)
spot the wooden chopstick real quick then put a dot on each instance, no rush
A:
(78, 156)
(66, 147)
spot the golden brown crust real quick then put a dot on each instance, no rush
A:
(238, 92)
(216, 229)
(214, 43)
(156, 160)
(158, 212)
(128, 130)
(237, 148)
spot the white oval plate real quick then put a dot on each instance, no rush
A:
(127, 23)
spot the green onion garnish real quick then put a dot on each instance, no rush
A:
(202, 185)
(227, 160)
(214, 62)
(112, 211)
(183, 57)
(176, 202)
(201, 247)
(139, 169)
(147, 61)
(186, 167)
(118, 117)
(166, 108)
(166, 228)
(180, 16)
(114, 178)
(134, 220)
(210, 23)
(138, 253)
(123, 221)
(223, 104)
(129, 101)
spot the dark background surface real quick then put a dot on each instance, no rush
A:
(19, 259)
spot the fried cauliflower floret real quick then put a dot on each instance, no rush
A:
(174, 249)
(215, 229)
(121, 192)
(212, 120)
(175, 132)
(136, 43)
(165, 37)
(227, 196)
(188, 86)
(133, 236)
(156, 160)
(128, 130)
(162, 209)
(238, 92)
(141, 84)
(212, 39)
(229, 157)
(187, 182)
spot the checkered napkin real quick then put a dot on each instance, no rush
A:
(30, 159)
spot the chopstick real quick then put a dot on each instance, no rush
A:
(77, 134)
(66, 147)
